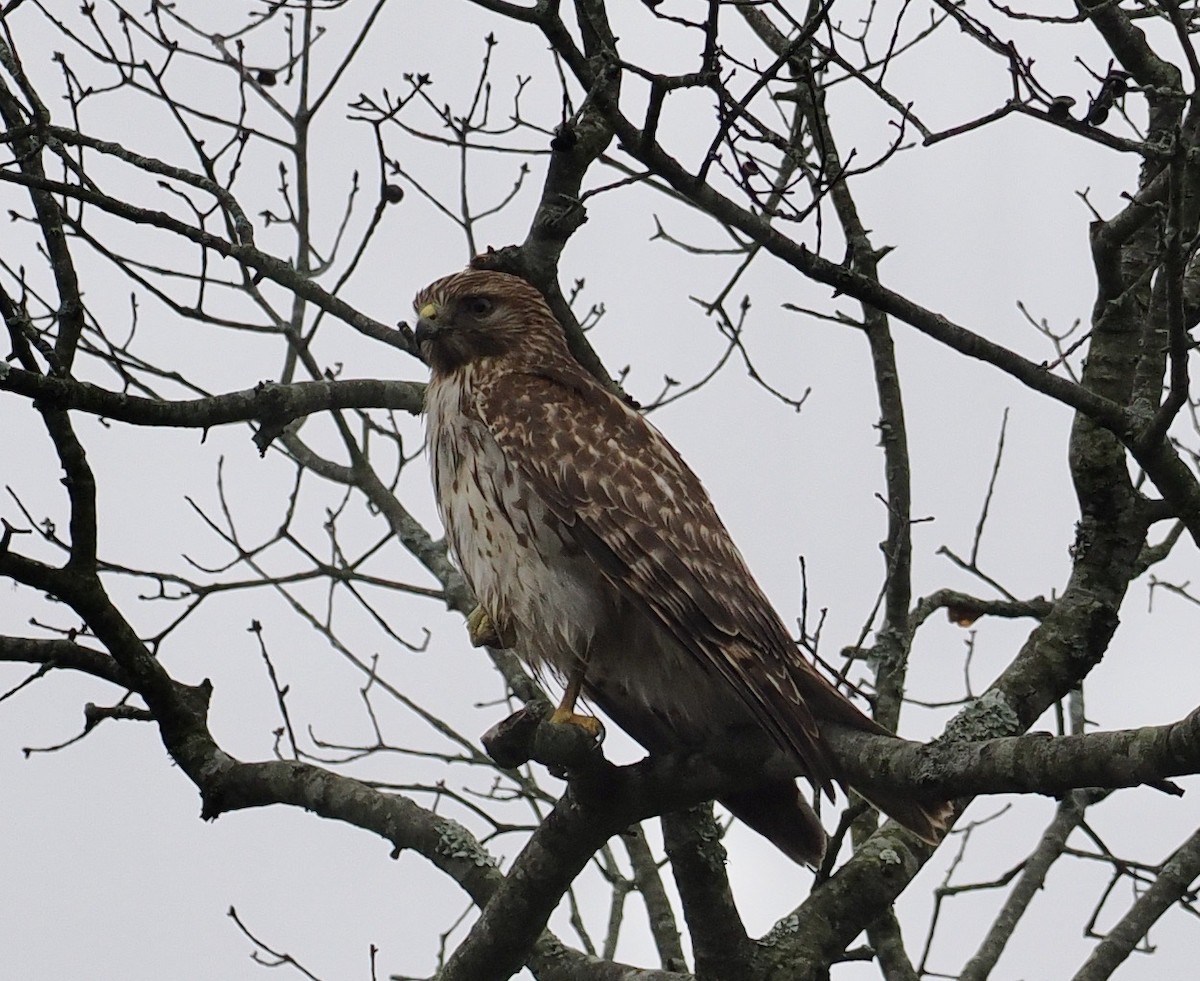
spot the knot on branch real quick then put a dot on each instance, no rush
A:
(558, 217)
(507, 259)
(274, 415)
(565, 138)
(194, 699)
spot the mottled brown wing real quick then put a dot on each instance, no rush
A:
(645, 519)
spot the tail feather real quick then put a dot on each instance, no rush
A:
(779, 812)
(928, 820)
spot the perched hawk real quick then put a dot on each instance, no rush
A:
(594, 551)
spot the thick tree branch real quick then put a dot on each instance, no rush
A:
(720, 945)
(1033, 763)
(271, 402)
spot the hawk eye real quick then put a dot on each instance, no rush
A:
(478, 306)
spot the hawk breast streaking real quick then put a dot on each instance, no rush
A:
(594, 551)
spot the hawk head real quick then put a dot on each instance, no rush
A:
(478, 314)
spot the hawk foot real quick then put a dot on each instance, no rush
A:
(483, 632)
(588, 723)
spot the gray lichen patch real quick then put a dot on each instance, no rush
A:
(988, 717)
(455, 841)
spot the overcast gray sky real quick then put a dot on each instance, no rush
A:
(106, 870)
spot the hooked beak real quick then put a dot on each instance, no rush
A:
(427, 326)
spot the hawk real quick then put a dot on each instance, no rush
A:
(595, 552)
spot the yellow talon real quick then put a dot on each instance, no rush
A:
(588, 723)
(483, 632)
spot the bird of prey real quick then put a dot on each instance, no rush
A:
(595, 552)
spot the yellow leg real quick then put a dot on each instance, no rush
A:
(565, 713)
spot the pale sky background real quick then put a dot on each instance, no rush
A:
(106, 872)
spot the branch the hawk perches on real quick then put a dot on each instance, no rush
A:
(595, 550)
